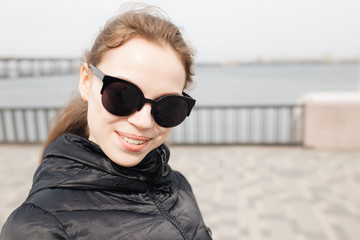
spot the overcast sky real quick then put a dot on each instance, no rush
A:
(219, 30)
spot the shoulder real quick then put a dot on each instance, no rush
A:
(181, 180)
(32, 222)
(183, 187)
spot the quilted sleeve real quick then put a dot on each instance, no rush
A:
(32, 223)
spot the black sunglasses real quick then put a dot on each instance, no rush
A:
(122, 98)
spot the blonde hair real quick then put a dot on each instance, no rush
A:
(146, 23)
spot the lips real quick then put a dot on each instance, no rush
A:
(133, 142)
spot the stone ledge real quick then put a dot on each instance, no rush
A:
(332, 120)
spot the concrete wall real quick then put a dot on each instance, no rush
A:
(332, 121)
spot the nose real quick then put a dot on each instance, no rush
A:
(142, 119)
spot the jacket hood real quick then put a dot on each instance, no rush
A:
(72, 161)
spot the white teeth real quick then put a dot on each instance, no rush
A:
(133, 141)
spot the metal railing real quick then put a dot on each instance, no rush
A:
(258, 125)
(25, 125)
(30, 67)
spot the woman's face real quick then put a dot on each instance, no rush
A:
(157, 71)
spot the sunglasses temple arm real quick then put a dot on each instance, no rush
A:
(97, 72)
(191, 102)
(186, 95)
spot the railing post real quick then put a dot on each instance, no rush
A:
(13, 120)
(36, 128)
(277, 125)
(291, 125)
(249, 124)
(210, 126)
(26, 135)
(263, 130)
(3, 125)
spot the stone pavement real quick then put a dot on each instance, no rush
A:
(244, 192)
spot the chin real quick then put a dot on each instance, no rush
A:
(127, 160)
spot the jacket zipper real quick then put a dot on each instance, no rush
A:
(164, 172)
(168, 217)
(164, 166)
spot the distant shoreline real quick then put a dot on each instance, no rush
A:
(259, 61)
(278, 62)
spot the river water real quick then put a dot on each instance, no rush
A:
(214, 85)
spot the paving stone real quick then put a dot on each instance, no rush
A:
(244, 192)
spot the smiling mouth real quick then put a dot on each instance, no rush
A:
(132, 139)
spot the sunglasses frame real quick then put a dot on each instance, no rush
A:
(107, 80)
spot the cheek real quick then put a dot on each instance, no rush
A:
(164, 132)
(97, 115)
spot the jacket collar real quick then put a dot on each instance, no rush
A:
(72, 161)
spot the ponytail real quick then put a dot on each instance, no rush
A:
(71, 119)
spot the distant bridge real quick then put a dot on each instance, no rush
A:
(31, 67)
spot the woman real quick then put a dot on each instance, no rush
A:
(104, 173)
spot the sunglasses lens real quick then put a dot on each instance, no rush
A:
(170, 111)
(121, 99)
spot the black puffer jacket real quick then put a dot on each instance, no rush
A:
(79, 193)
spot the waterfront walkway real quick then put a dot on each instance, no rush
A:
(252, 193)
